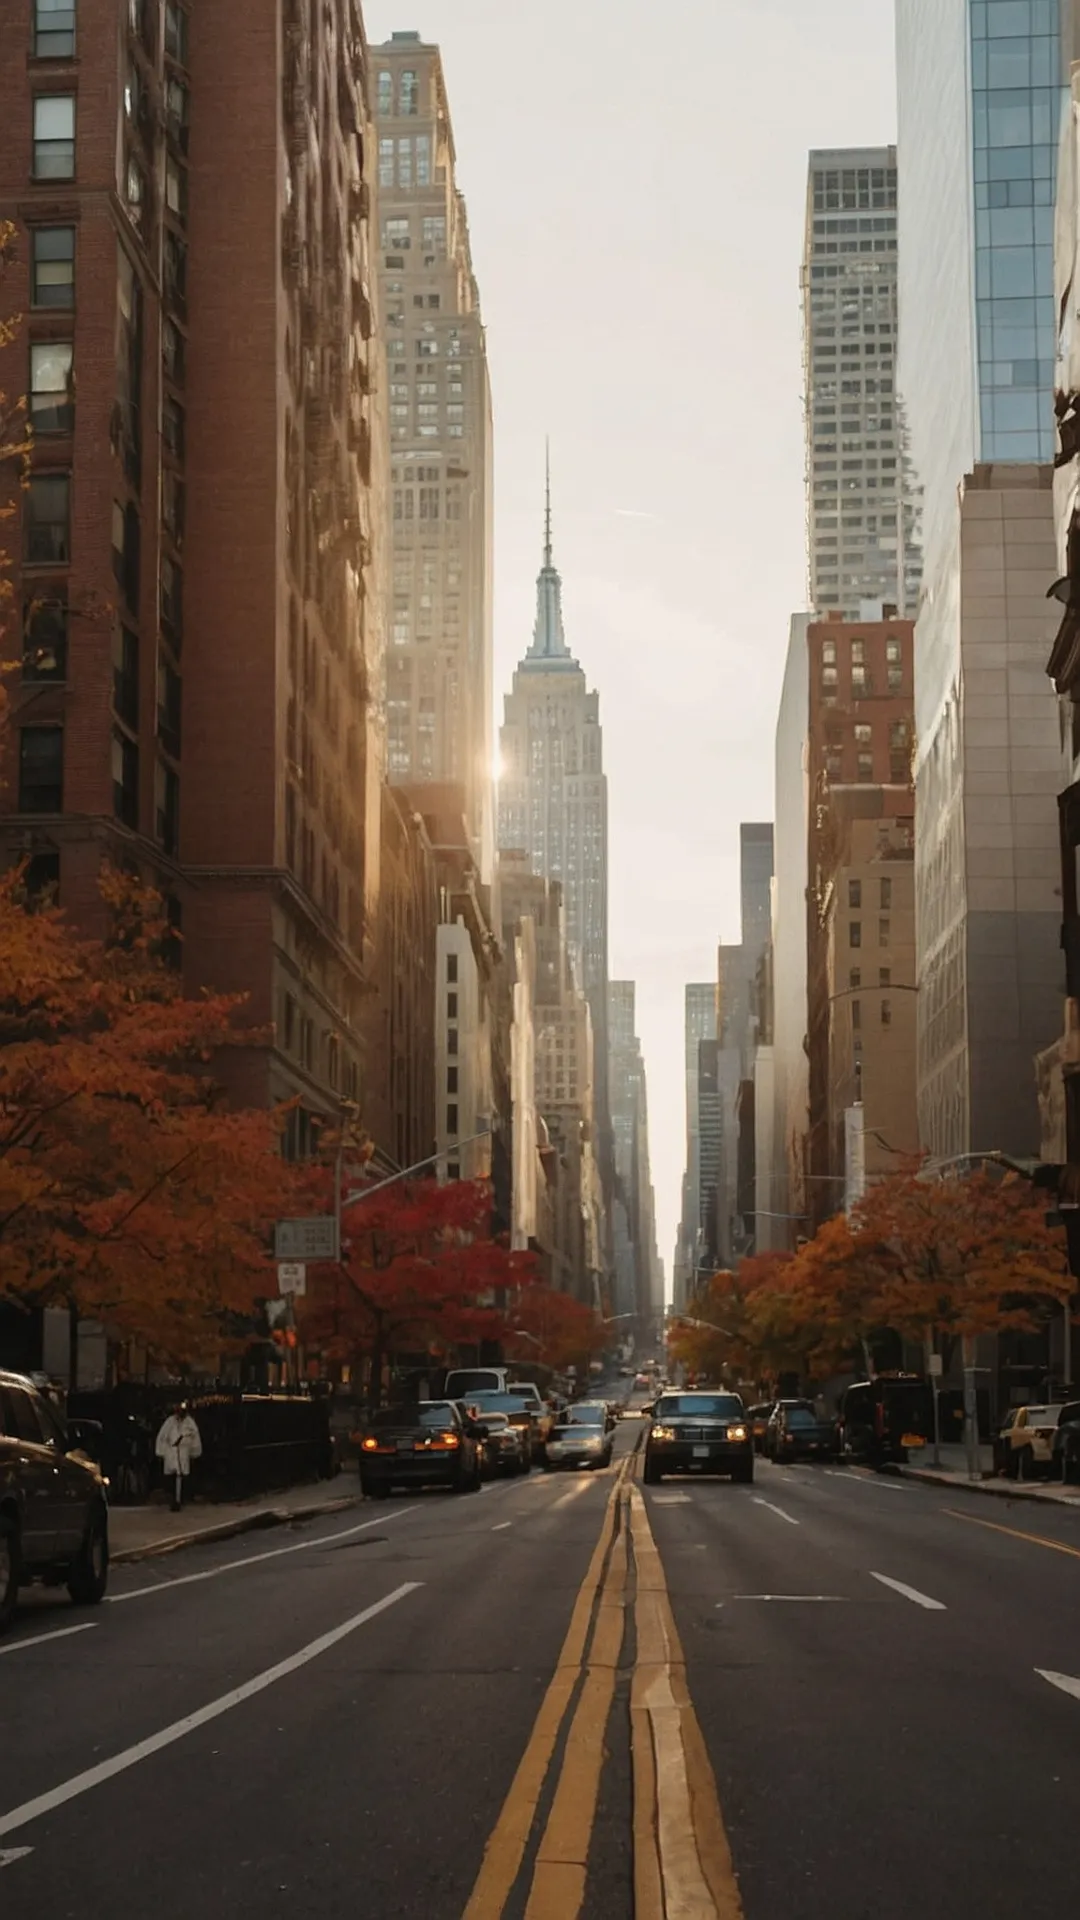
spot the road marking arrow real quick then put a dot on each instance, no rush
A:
(1062, 1680)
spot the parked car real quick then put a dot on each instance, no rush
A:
(462, 1382)
(1066, 1450)
(54, 1517)
(699, 1432)
(759, 1419)
(427, 1444)
(885, 1419)
(1028, 1440)
(506, 1448)
(583, 1436)
(796, 1433)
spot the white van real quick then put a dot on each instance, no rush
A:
(461, 1381)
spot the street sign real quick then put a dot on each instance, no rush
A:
(313, 1239)
(291, 1276)
(934, 1366)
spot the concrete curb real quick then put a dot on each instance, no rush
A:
(226, 1529)
(994, 1490)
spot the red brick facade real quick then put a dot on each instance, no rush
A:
(219, 704)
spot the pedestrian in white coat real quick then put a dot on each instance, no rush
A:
(179, 1442)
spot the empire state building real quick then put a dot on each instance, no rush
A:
(553, 796)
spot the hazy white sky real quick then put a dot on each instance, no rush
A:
(635, 179)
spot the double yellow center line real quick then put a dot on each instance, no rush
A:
(682, 1863)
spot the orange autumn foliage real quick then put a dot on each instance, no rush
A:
(127, 1189)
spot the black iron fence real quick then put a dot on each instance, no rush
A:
(251, 1442)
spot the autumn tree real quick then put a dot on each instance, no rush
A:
(128, 1190)
(419, 1269)
(734, 1328)
(553, 1329)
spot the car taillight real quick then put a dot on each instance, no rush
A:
(445, 1441)
(370, 1444)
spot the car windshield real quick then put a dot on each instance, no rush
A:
(568, 1422)
(724, 1406)
(432, 1413)
(507, 1402)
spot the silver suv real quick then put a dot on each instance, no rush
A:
(54, 1516)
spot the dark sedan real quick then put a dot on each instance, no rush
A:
(796, 1433)
(699, 1432)
(427, 1444)
(54, 1517)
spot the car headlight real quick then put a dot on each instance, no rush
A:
(736, 1433)
(663, 1433)
(593, 1440)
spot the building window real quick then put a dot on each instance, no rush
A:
(41, 880)
(856, 1015)
(54, 29)
(385, 93)
(45, 639)
(173, 426)
(176, 32)
(404, 163)
(41, 770)
(409, 92)
(886, 1013)
(855, 977)
(126, 676)
(883, 933)
(172, 600)
(865, 764)
(451, 967)
(828, 676)
(453, 1170)
(854, 893)
(167, 807)
(451, 1118)
(125, 779)
(451, 1040)
(125, 552)
(423, 160)
(451, 1006)
(859, 683)
(170, 688)
(884, 977)
(451, 1079)
(54, 136)
(47, 519)
(52, 251)
(52, 395)
(855, 934)
(858, 649)
(386, 163)
(886, 895)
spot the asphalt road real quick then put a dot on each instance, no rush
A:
(564, 1696)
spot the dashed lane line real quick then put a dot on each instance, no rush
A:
(911, 1593)
(255, 1559)
(81, 1783)
(779, 1511)
(36, 1639)
(1063, 1681)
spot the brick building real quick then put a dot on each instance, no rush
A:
(198, 548)
(861, 983)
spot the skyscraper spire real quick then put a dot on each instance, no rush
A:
(549, 641)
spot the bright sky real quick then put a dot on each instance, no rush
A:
(635, 178)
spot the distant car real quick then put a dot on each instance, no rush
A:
(425, 1444)
(583, 1436)
(522, 1411)
(795, 1433)
(699, 1432)
(641, 1380)
(506, 1448)
(759, 1419)
(626, 1373)
(883, 1420)
(1028, 1441)
(54, 1516)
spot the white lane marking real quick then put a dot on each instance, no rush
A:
(502, 1526)
(572, 1493)
(58, 1633)
(1063, 1680)
(840, 1598)
(107, 1769)
(9, 1855)
(868, 1480)
(669, 1500)
(779, 1511)
(253, 1559)
(911, 1593)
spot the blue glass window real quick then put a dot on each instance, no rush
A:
(1006, 17)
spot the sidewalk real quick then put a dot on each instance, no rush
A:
(138, 1533)
(954, 1474)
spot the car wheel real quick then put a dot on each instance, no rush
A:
(90, 1572)
(743, 1472)
(10, 1563)
(376, 1491)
